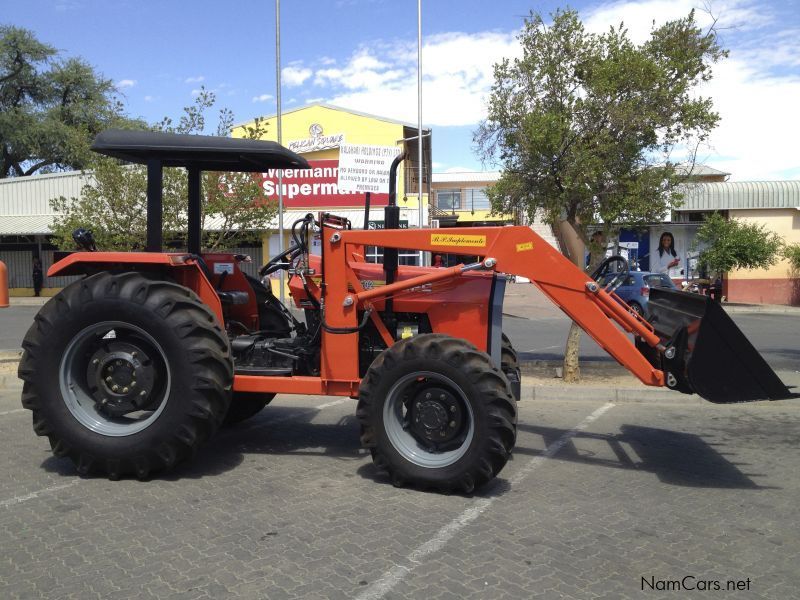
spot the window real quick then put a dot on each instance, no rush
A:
(404, 257)
(477, 199)
(448, 199)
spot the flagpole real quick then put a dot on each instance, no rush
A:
(419, 118)
(280, 135)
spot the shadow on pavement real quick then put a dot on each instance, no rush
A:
(674, 457)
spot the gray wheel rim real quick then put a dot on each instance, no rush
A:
(405, 443)
(75, 389)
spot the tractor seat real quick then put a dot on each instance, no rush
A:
(233, 297)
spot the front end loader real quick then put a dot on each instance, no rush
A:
(131, 368)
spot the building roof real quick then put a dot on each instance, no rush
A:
(339, 108)
(698, 170)
(738, 195)
(466, 177)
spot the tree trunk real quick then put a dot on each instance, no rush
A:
(573, 247)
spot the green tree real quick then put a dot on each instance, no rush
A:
(792, 254)
(50, 107)
(585, 127)
(731, 244)
(113, 203)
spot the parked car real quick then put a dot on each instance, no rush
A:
(635, 289)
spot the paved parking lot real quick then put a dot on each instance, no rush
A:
(599, 501)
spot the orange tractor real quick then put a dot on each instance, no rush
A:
(131, 368)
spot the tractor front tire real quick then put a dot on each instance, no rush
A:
(245, 405)
(510, 366)
(436, 413)
(126, 374)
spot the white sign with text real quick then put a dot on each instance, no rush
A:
(365, 168)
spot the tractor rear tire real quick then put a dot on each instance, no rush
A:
(245, 405)
(510, 366)
(436, 413)
(125, 374)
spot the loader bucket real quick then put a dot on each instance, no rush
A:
(711, 356)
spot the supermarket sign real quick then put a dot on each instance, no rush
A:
(317, 186)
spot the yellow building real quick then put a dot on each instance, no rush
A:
(317, 131)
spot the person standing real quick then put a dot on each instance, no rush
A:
(38, 276)
(665, 258)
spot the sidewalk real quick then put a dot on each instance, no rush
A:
(525, 300)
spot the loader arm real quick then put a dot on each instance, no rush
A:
(690, 344)
(520, 251)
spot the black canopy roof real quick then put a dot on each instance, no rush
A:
(208, 153)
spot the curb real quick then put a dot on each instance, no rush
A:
(617, 395)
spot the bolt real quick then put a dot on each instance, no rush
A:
(670, 352)
(335, 238)
(124, 390)
(489, 263)
(348, 301)
(452, 409)
(671, 381)
(109, 380)
(592, 286)
(110, 368)
(133, 383)
(95, 361)
(114, 387)
(443, 434)
(143, 393)
(428, 396)
(119, 363)
(452, 424)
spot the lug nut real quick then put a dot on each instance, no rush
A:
(428, 396)
(95, 361)
(442, 396)
(109, 380)
(452, 424)
(143, 393)
(124, 390)
(452, 409)
(115, 387)
(110, 368)
(134, 354)
(133, 383)
(119, 363)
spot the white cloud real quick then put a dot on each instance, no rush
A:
(262, 98)
(198, 79)
(196, 92)
(314, 100)
(149, 98)
(755, 90)
(293, 76)
(457, 73)
(126, 83)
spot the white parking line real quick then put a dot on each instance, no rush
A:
(32, 495)
(395, 575)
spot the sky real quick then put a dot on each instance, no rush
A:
(362, 55)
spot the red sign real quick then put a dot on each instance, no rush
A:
(314, 187)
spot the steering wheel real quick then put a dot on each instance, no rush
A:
(281, 261)
(604, 268)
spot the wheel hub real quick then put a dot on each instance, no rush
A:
(121, 377)
(436, 416)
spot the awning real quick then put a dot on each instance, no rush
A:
(26, 224)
